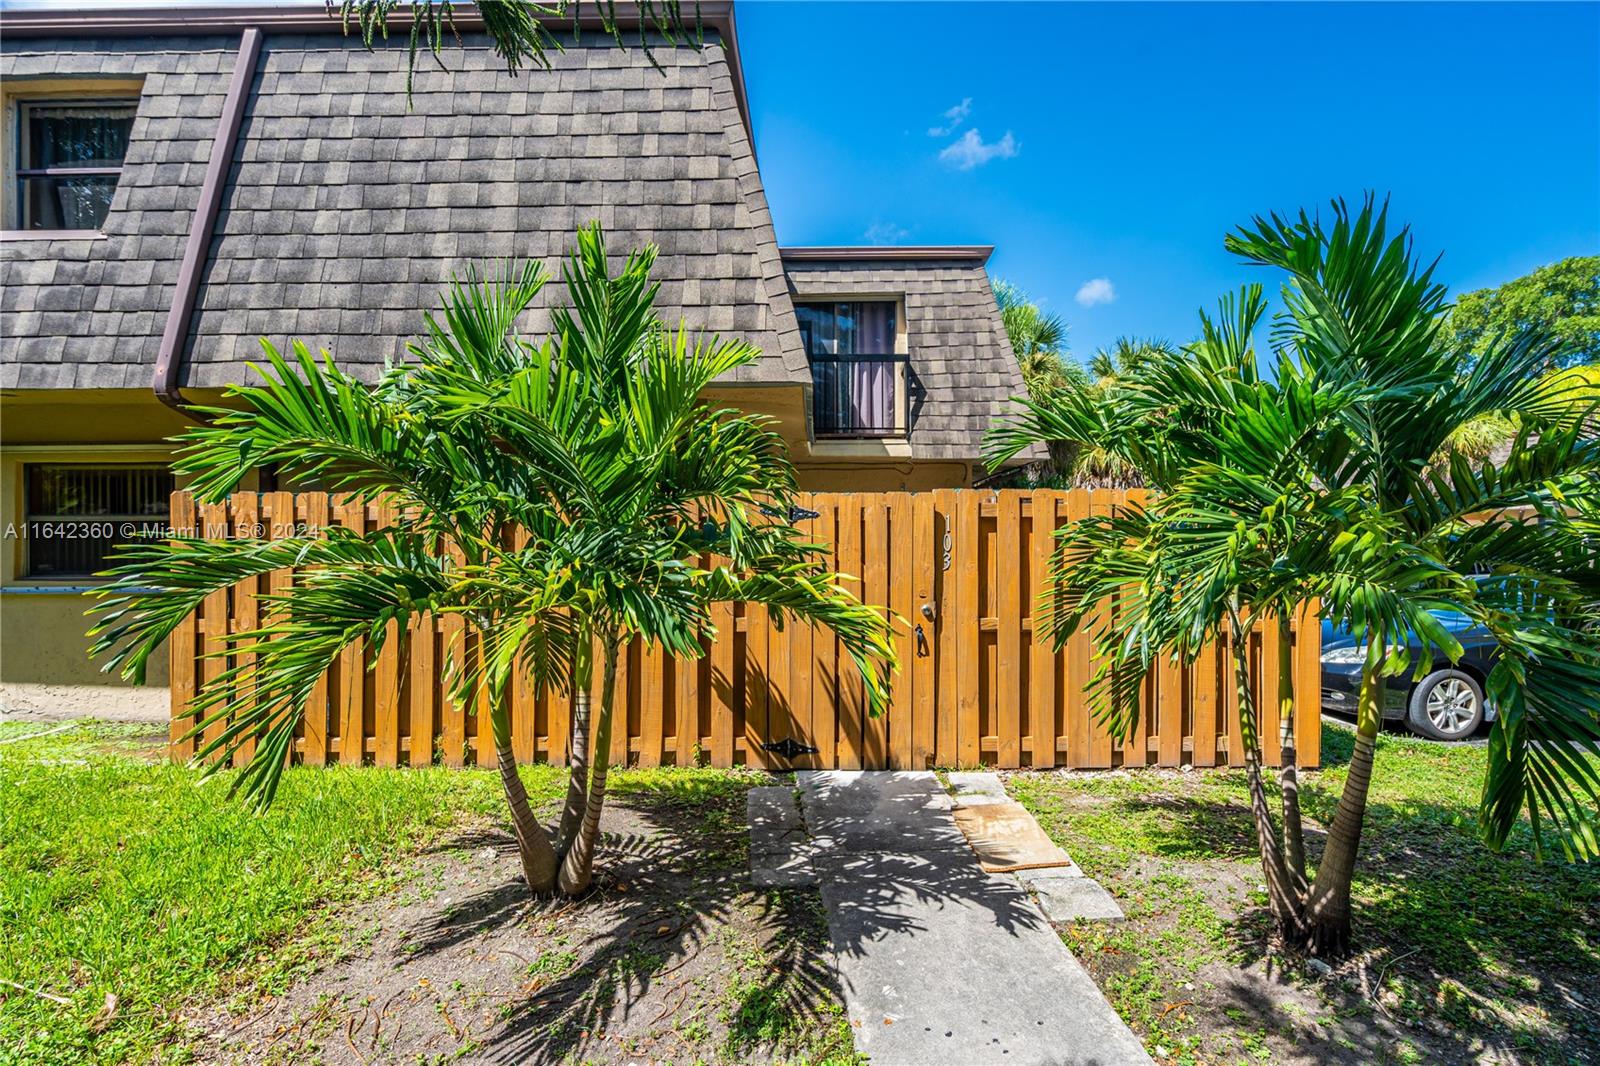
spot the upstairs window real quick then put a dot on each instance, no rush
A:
(78, 514)
(69, 158)
(858, 367)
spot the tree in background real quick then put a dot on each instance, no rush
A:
(560, 498)
(1321, 483)
(1561, 300)
(1048, 371)
(1038, 340)
(1126, 356)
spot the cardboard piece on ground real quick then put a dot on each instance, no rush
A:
(1005, 837)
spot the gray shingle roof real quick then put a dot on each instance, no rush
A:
(89, 313)
(345, 212)
(960, 356)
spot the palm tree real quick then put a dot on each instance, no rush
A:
(518, 30)
(1319, 483)
(1126, 355)
(562, 498)
(1034, 335)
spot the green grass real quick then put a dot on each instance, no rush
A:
(123, 875)
(1467, 940)
(129, 878)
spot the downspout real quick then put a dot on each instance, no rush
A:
(175, 338)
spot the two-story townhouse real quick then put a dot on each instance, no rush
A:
(180, 183)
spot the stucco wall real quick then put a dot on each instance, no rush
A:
(44, 661)
(884, 475)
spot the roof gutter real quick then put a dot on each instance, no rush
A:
(879, 253)
(175, 337)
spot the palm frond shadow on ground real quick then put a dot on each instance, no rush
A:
(1449, 928)
(641, 880)
(881, 877)
(569, 1016)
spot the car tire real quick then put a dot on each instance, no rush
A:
(1446, 705)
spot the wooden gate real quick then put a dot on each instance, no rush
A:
(963, 568)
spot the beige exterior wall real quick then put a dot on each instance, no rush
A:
(44, 662)
(883, 475)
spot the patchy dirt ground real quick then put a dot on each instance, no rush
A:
(1462, 955)
(672, 958)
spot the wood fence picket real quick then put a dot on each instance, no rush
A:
(979, 682)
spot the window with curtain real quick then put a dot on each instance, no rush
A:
(69, 159)
(856, 374)
(78, 513)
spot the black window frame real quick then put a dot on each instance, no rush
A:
(828, 420)
(20, 149)
(110, 528)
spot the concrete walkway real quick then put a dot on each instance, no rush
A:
(940, 962)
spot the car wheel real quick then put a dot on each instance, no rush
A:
(1446, 705)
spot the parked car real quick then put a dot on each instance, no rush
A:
(1447, 704)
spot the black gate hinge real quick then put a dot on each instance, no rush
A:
(789, 748)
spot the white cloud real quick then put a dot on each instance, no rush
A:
(1096, 291)
(885, 233)
(970, 151)
(953, 118)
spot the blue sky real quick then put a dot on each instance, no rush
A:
(1139, 134)
(1105, 148)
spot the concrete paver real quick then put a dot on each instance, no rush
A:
(972, 787)
(1069, 897)
(941, 963)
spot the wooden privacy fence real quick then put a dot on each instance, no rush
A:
(963, 568)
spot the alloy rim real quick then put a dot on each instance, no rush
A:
(1452, 704)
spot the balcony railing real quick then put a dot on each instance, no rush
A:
(858, 395)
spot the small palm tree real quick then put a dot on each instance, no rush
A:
(1321, 483)
(562, 498)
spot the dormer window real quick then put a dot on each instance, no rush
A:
(858, 367)
(68, 161)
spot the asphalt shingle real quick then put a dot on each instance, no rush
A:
(334, 176)
(345, 213)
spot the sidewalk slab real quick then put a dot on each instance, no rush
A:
(780, 849)
(941, 963)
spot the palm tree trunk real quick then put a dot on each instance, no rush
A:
(1328, 911)
(577, 866)
(1282, 898)
(538, 857)
(1294, 841)
(578, 779)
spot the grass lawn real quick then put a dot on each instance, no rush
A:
(375, 915)
(1463, 955)
(121, 877)
(143, 914)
